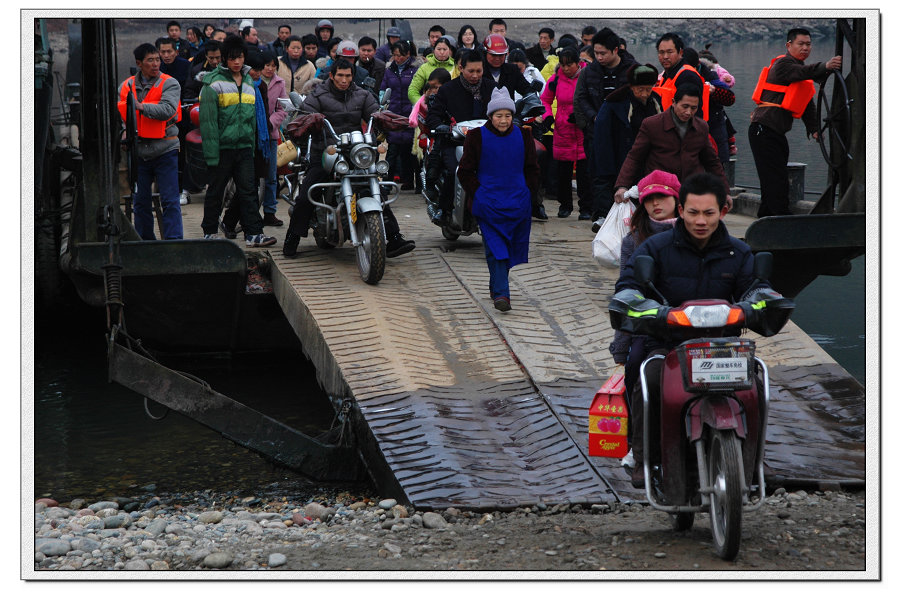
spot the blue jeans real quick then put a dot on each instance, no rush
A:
(165, 170)
(499, 271)
(270, 202)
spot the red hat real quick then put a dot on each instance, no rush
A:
(496, 44)
(659, 181)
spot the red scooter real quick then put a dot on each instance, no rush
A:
(704, 443)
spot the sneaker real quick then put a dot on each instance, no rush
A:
(628, 460)
(259, 240)
(502, 304)
(185, 198)
(398, 246)
(595, 227)
(539, 213)
(270, 219)
(211, 236)
(584, 215)
(291, 241)
(564, 213)
(229, 233)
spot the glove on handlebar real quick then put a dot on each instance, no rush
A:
(443, 130)
(305, 123)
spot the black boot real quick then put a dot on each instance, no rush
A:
(291, 241)
(396, 245)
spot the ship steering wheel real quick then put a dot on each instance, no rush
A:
(831, 118)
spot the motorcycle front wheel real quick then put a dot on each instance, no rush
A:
(371, 253)
(725, 509)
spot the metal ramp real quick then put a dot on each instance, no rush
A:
(455, 403)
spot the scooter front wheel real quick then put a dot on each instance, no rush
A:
(726, 499)
(371, 253)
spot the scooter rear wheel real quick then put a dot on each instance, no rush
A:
(725, 508)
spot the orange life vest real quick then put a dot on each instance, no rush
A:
(796, 97)
(148, 128)
(666, 91)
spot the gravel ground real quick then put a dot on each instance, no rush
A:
(324, 533)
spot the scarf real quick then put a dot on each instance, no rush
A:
(262, 123)
(475, 89)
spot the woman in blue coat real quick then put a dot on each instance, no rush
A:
(397, 76)
(499, 171)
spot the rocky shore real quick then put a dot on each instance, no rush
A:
(338, 531)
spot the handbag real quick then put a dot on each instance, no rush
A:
(607, 245)
(287, 151)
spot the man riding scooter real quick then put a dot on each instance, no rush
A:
(697, 259)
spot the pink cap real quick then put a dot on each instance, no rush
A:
(659, 181)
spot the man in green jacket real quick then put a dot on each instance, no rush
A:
(228, 126)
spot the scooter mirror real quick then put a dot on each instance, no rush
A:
(644, 268)
(762, 265)
(386, 98)
(296, 99)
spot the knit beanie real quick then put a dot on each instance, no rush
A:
(499, 100)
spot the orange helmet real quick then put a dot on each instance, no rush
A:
(496, 44)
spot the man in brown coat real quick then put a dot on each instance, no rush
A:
(675, 141)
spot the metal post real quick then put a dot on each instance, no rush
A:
(797, 181)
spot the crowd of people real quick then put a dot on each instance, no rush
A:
(624, 130)
(609, 120)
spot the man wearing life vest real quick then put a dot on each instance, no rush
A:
(157, 108)
(784, 92)
(670, 51)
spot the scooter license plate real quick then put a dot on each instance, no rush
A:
(718, 370)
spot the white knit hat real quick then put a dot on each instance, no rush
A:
(499, 100)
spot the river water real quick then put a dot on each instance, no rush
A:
(92, 439)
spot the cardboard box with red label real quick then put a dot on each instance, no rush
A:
(608, 419)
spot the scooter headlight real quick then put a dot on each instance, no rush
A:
(342, 167)
(363, 155)
(381, 167)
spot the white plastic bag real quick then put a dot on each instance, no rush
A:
(607, 245)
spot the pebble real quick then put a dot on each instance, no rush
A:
(434, 521)
(660, 555)
(316, 511)
(97, 506)
(276, 559)
(387, 504)
(137, 565)
(218, 560)
(47, 502)
(52, 546)
(211, 517)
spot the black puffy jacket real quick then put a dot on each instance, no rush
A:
(721, 270)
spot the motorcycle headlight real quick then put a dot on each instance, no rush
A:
(381, 167)
(363, 155)
(342, 167)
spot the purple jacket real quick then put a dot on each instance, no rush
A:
(277, 114)
(398, 83)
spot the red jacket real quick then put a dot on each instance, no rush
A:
(659, 147)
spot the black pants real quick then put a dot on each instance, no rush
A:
(549, 170)
(234, 164)
(770, 153)
(601, 186)
(303, 211)
(564, 184)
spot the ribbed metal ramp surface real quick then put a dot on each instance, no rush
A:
(464, 405)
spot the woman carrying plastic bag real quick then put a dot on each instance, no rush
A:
(607, 245)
